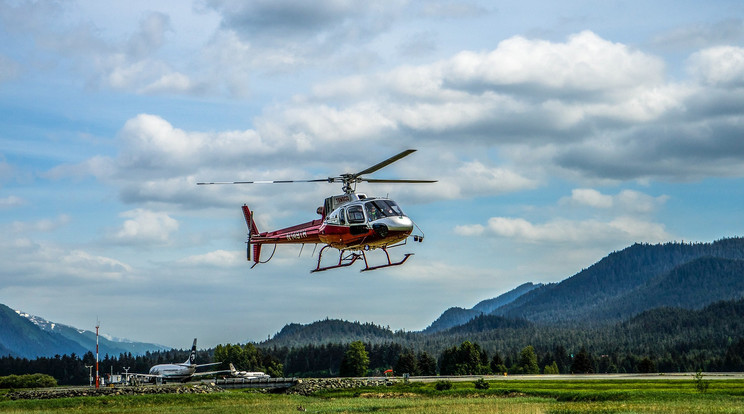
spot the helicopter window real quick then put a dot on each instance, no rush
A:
(373, 211)
(355, 214)
(332, 218)
(341, 216)
(382, 208)
(391, 208)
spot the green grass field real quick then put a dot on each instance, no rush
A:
(534, 396)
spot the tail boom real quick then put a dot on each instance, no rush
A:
(305, 233)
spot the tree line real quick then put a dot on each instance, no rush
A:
(365, 359)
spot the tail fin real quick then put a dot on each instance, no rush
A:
(192, 356)
(252, 229)
(233, 371)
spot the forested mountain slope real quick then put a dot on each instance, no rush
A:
(692, 285)
(458, 316)
(595, 292)
(623, 284)
(332, 331)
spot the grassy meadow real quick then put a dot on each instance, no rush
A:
(532, 396)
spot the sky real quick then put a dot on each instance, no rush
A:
(558, 133)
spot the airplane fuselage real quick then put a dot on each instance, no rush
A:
(173, 372)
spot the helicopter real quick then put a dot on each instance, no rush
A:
(351, 223)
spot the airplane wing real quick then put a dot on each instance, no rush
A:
(209, 373)
(199, 365)
(145, 375)
(206, 365)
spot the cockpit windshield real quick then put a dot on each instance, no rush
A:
(377, 209)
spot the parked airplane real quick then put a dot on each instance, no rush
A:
(246, 374)
(179, 372)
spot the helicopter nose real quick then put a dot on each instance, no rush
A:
(399, 224)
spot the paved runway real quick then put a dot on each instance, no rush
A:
(585, 377)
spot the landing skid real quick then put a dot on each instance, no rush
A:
(389, 263)
(345, 260)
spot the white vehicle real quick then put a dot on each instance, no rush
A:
(246, 374)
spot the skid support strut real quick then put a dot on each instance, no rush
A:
(343, 261)
(348, 258)
(389, 263)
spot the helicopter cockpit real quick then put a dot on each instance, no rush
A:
(379, 208)
(371, 210)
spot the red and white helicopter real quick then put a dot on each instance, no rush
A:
(351, 222)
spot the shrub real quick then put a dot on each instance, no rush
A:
(551, 369)
(481, 384)
(443, 385)
(27, 381)
(700, 384)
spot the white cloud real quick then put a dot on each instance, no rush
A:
(621, 229)
(217, 258)
(585, 62)
(151, 144)
(618, 220)
(11, 202)
(626, 201)
(697, 35)
(721, 66)
(590, 197)
(145, 227)
(468, 230)
(28, 263)
(473, 178)
(583, 108)
(43, 225)
(94, 267)
(635, 201)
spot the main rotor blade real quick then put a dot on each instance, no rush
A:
(376, 180)
(385, 163)
(319, 180)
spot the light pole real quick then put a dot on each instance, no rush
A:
(98, 324)
(90, 375)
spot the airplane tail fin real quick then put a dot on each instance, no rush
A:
(252, 229)
(233, 371)
(192, 356)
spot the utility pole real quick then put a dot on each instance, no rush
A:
(98, 324)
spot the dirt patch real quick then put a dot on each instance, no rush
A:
(387, 395)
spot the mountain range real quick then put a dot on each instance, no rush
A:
(641, 285)
(621, 286)
(28, 336)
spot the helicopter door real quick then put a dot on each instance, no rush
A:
(356, 215)
(356, 220)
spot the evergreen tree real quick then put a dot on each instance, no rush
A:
(497, 365)
(646, 366)
(582, 363)
(528, 361)
(468, 359)
(355, 362)
(406, 364)
(427, 365)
